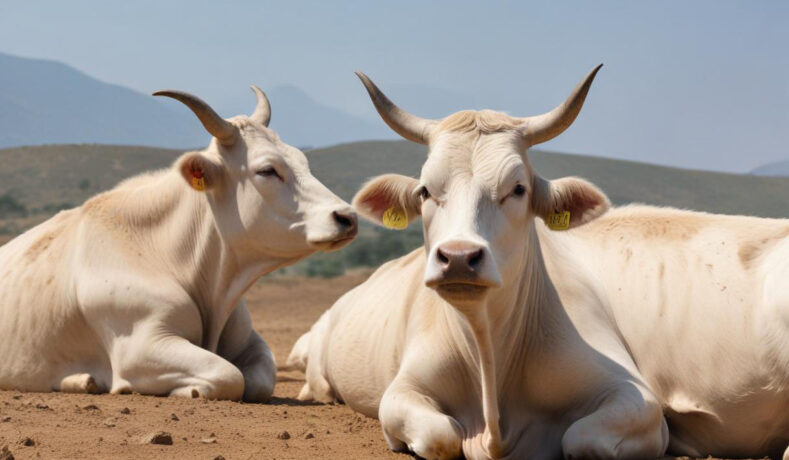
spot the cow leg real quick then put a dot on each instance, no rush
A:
(260, 372)
(628, 424)
(786, 453)
(171, 365)
(412, 420)
(244, 347)
(79, 383)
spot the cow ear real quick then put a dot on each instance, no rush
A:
(582, 200)
(199, 171)
(389, 200)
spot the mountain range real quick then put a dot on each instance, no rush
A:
(48, 102)
(778, 168)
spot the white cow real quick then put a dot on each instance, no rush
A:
(139, 289)
(505, 339)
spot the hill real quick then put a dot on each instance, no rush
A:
(778, 168)
(36, 182)
(623, 181)
(45, 102)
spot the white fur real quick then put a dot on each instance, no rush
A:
(584, 339)
(139, 289)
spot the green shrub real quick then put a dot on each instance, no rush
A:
(11, 207)
(325, 268)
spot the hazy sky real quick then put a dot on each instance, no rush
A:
(701, 84)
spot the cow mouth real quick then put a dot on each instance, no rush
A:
(463, 290)
(340, 242)
(334, 244)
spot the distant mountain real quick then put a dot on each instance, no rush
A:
(422, 100)
(302, 121)
(779, 168)
(46, 102)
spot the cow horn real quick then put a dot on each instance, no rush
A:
(221, 129)
(542, 128)
(409, 126)
(262, 112)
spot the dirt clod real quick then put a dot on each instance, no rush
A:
(218, 457)
(90, 407)
(283, 435)
(174, 417)
(160, 437)
(125, 411)
(26, 441)
(309, 436)
(109, 422)
(208, 440)
(6, 419)
(6, 454)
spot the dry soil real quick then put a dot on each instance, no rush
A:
(66, 426)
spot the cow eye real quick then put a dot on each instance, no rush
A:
(268, 171)
(519, 190)
(424, 192)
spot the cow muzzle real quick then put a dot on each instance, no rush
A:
(344, 225)
(461, 270)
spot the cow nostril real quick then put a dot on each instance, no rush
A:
(442, 257)
(344, 220)
(475, 258)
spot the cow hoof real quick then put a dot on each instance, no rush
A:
(437, 451)
(186, 392)
(91, 386)
(305, 394)
(441, 441)
(79, 383)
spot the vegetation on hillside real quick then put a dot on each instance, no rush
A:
(36, 182)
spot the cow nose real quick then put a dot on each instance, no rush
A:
(460, 258)
(347, 222)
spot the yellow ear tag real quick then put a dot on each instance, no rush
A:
(395, 218)
(198, 183)
(559, 220)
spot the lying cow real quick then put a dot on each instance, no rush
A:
(505, 339)
(139, 289)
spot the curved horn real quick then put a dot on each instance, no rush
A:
(409, 126)
(542, 128)
(262, 113)
(221, 129)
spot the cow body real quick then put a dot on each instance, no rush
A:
(715, 359)
(74, 283)
(702, 303)
(504, 339)
(139, 289)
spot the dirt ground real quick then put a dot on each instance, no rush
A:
(64, 426)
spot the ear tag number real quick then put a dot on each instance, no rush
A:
(198, 182)
(559, 220)
(395, 218)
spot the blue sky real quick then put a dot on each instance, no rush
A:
(702, 84)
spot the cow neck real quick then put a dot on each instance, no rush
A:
(178, 226)
(220, 275)
(505, 329)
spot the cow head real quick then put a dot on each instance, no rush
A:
(264, 198)
(477, 193)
